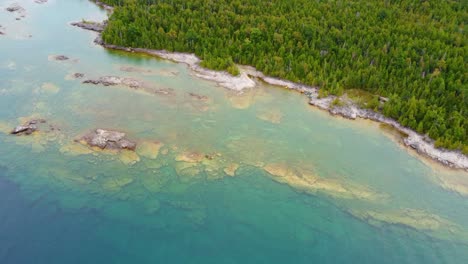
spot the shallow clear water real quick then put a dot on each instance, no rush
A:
(62, 203)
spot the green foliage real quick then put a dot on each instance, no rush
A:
(413, 52)
(337, 102)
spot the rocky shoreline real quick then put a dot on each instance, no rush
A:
(420, 143)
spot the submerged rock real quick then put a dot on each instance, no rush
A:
(28, 128)
(165, 91)
(15, 8)
(60, 57)
(78, 75)
(108, 139)
(198, 97)
(417, 219)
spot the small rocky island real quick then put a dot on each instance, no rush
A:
(108, 139)
(28, 128)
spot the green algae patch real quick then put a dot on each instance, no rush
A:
(128, 157)
(116, 184)
(75, 149)
(188, 171)
(153, 182)
(65, 176)
(152, 206)
(149, 149)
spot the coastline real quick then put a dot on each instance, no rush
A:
(247, 79)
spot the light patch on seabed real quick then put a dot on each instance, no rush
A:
(50, 88)
(455, 180)
(420, 220)
(270, 115)
(450, 179)
(5, 128)
(75, 149)
(10, 65)
(306, 181)
(241, 100)
(231, 169)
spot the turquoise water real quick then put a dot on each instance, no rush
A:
(61, 202)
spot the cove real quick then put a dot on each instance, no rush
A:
(217, 176)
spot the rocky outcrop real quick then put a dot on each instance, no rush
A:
(28, 128)
(108, 139)
(40, 1)
(60, 57)
(115, 80)
(90, 25)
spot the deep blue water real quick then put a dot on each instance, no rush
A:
(244, 224)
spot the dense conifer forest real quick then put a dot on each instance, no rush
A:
(412, 51)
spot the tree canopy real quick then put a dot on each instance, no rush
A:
(412, 51)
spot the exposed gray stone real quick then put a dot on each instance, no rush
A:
(108, 139)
